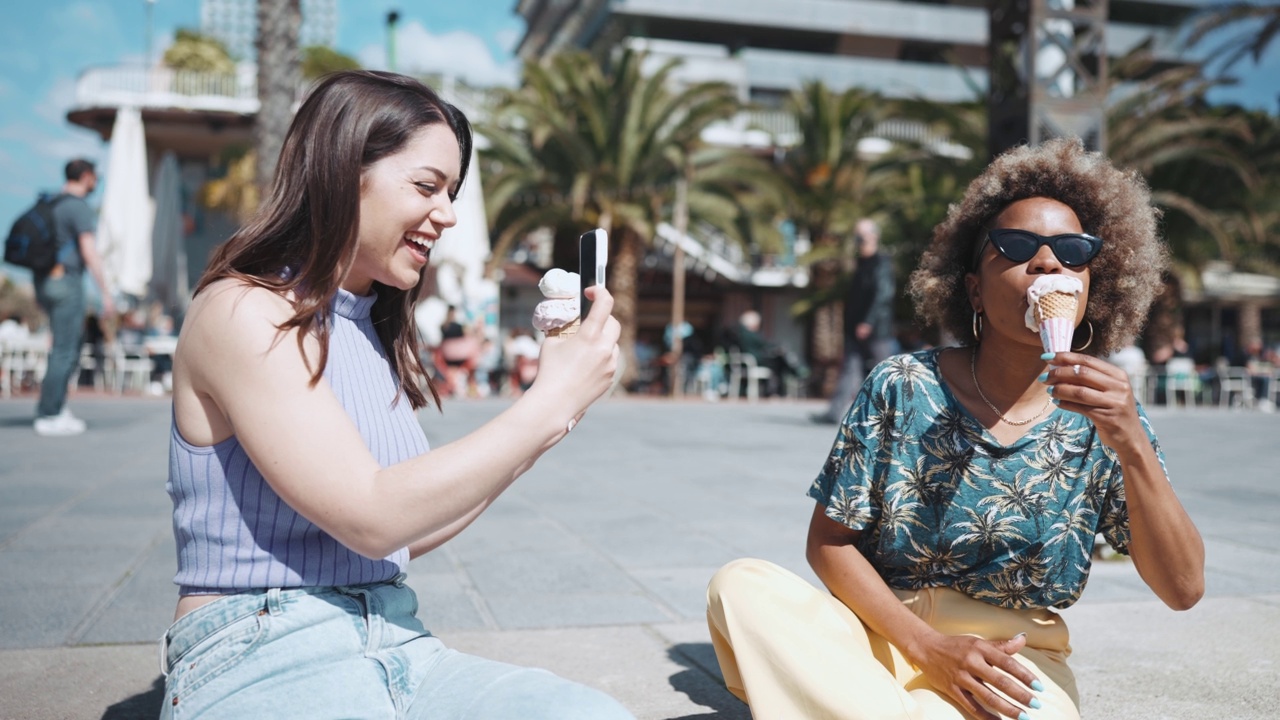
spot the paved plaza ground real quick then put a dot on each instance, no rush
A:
(595, 563)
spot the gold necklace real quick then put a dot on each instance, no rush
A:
(973, 372)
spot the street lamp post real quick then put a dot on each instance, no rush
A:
(393, 17)
(146, 58)
(677, 289)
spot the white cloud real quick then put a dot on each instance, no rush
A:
(58, 143)
(508, 39)
(48, 134)
(60, 98)
(458, 53)
(78, 16)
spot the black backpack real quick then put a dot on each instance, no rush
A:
(33, 241)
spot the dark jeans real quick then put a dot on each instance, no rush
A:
(859, 357)
(63, 300)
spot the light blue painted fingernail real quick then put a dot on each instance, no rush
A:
(1036, 704)
(1023, 716)
(1043, 377)
(1055, 401)
(1037, 686)
(1048, 356)
(1049, 389)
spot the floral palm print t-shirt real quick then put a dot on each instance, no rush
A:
(941, 503)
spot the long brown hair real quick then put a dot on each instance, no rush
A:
(303, 239)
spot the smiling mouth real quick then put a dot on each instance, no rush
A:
(420, 244)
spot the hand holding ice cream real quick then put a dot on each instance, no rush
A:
(558, 314)
(1052, 301)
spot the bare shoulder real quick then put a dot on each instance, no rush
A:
(233, 304)
(232, 320)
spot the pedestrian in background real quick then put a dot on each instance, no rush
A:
(300, 475)
(60, 292)
(868, 320)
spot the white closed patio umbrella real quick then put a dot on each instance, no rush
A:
(124, 225)
(168, 243)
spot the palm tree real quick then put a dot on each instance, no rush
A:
(1196, 159)
(829, 185)
(320, 60)
(1259, 222)
(931, 173)
(1261, 26)
(279, 22)
(1163, 127)
(196, 52)
(581, 145)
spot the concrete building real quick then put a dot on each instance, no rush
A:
(766, 48)
(932, 49)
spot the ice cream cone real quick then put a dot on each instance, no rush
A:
(1056, 312)
(565, 331)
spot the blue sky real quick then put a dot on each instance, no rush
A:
(44, 46)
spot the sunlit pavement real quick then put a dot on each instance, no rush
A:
(594, 564)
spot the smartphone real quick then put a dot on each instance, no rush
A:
(593, 256)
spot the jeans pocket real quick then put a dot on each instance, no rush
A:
(216, 652)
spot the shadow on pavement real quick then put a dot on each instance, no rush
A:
(702, 684)
(143, 706)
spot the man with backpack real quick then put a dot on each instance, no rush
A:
(61, 294)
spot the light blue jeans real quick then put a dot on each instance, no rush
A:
(348, 652)
(62, 298)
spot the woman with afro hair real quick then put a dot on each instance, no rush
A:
(958, 507)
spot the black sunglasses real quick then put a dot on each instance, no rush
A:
(1019, 246)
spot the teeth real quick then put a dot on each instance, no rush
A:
(423, 242)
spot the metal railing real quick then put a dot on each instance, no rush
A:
(164, 88)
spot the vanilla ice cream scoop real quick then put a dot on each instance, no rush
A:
(559, 313)
(559, 284)
(555, 313)
(1052, 301)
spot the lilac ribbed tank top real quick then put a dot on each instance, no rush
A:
(234, 533)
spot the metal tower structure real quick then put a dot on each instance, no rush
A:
(235, 23)
(1048, 66)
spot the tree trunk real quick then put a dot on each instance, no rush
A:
(279, 74)
(622, 280)
(827, 331)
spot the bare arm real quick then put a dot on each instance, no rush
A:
(965, 668)
(1163, 541)
(311, 453)
(93, 261)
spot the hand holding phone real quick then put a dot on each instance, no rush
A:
(593, 256)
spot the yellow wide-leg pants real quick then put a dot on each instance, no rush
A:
(795, 652)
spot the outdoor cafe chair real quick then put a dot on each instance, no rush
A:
(743, 369)
(1181, 377)
(1235, 387)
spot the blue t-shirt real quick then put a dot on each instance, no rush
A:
(941, 503)
(72, 217)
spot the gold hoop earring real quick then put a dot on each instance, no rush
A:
(977, 326)
(1088, 342)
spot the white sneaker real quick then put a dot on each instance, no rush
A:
(61, 425)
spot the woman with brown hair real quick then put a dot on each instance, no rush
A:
(959, 504)
(300, 476)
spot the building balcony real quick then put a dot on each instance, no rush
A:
(162, 88)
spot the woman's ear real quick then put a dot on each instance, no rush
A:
(971, 289)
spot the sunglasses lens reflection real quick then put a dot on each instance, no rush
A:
(1020, 246)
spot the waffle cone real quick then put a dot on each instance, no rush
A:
(565, 331)
(1057, 305)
